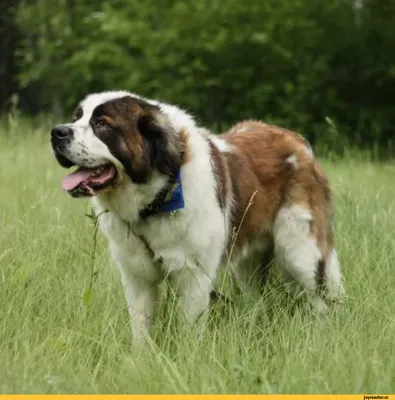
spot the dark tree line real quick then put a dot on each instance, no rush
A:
(9, 35)
(292, 62)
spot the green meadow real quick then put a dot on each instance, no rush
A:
(59, 336)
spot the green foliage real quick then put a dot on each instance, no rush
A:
(289, 62)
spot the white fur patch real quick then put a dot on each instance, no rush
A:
(334, 284)
(293, 160)
(221, 144)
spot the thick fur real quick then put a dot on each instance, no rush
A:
(254, 191)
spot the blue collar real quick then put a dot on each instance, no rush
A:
(170, 198)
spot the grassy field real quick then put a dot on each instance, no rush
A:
(52, 341)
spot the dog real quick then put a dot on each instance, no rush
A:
(178, 202)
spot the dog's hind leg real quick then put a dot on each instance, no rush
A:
(297, 250)
(334, 288)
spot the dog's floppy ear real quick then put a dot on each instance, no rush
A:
(162, 142)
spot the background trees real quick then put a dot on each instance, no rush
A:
(290, 62)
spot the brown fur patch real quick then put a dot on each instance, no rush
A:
(140, 137)
(251, 126)
(258, 163)
(185, 149)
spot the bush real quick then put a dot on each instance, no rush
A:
(290, 62)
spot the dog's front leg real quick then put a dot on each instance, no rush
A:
(141, 296)
(194, 286)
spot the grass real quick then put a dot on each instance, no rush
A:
(53, 339)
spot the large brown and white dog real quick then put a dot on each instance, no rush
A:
(181, 202)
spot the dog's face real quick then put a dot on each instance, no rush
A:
(113, 137)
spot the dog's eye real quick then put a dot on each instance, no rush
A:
(100, 122)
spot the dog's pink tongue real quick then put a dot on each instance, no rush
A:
(72, 180)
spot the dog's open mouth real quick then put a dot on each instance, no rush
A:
(87, 182)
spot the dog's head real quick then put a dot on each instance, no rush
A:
(115, 136)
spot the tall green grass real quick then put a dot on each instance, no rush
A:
(55, 340)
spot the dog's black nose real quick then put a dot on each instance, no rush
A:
(61, 132)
